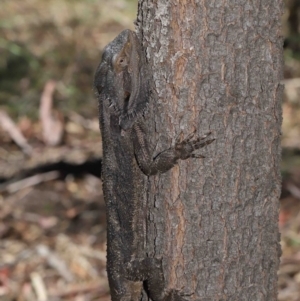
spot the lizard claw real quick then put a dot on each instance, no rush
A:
(180, 139)
(198, 145)
(186, 147)
(205, 135)
(190, 136)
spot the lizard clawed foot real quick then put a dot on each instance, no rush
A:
(180, 139)
(186, 147)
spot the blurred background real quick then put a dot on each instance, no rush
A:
(52, 216)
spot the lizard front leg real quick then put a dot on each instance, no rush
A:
(164, 161)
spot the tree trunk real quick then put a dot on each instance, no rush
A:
(216, 67)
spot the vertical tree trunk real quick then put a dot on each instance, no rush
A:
(216, 67)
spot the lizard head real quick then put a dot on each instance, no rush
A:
(121, 78)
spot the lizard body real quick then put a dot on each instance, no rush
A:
(122, 85)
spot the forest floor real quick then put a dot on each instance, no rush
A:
(52, 215)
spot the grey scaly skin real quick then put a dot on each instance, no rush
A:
(121, 82)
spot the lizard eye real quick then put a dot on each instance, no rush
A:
(122, 62)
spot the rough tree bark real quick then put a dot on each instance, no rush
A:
(216, 67)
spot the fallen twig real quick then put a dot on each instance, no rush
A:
(39, 286)
(55, 262)
(11, 128)
(99, 285)
(294, 190)
(31, 181)
(51, 123)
